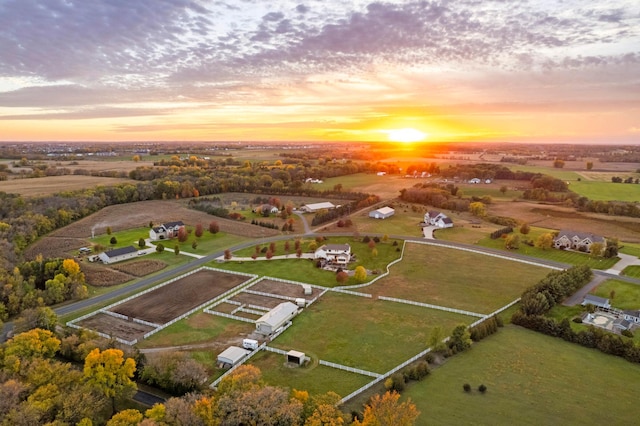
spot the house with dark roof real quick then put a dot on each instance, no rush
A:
(633, 316)
(576, 240)
(166, 231)
(118, 255)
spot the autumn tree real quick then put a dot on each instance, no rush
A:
(478, 209)
(36, 343)
(182, 234)
(128, 417)
(199, 230)
(596, 249)
(503, 189)
(342, 277)
(544, 241)
(386, 410)
(360, 274)
(287, 246)
(41, 317)
(175, 372)
(110, 372)
(525, 228)
(589, 165)
(227, 254)
(512, 242)
(558, 163)
(214, 228)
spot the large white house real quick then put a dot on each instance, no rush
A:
(436, 218)
(276, 318)
(576, 240)
(165, 231)
(334, 253)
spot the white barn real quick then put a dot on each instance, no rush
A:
(118, 255)
(314, 207)
(382, 213)
(232, 355)
(276, 318)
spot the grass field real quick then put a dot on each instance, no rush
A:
(531, 379)
(550, 171)
(607, 191)
(632, 271)
(359, 332)
(456, 279)
(626, 295)
(314, 378)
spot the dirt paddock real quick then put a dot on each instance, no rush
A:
(115, 327)
(165, 303)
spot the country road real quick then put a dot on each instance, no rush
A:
(72, 307)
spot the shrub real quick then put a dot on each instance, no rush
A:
(141, 243)
(500, 232)
(113, 241)
(577, 320)
(466, 387)
(627, 333)
(366, 239)
(430, 358)
(395, 382)
(160, 248)
(482, 388)
(376, 239)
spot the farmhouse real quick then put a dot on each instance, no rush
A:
(118, 255)
(576, 240)
(268, 208)
(314, 207)
(276, 318)
(438, 219)
(334, 253)
(165, 231)
(382, 213)
(599, 302)
(622, 324)
(632, 316)
(232, 356)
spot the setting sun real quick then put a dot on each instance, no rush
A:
(406, 135)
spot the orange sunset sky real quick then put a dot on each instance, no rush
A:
(311, 70)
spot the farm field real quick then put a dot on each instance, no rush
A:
(169, 301)
(315, 378)
(36, 187)
(531, 379)
(456, 279)
(387, 187)
(607, 191)
(359, 332)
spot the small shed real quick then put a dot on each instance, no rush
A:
(306, 289)
(276, 318)
(382, 213)
(295, 357)
(301, 302)
(232, 356)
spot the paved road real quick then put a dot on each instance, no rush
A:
(80, 305)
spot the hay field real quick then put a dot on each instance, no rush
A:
(36, 187)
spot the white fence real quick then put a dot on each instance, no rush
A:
(350, 369)
(222, 314)
(368, 283)
(215, 383)
(427, 305)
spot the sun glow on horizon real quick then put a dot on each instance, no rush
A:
(405, 135)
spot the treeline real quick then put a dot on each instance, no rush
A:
(539, 299)
(361, 201)
(486, 171)
(435, 196)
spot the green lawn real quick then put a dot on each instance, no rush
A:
(626, 295)
(351, 182)
(198, 328)
(531, 379)
(314, 378)
(304, 270)
(456, 278)
(632, 271)
(607, 191)
(630, 248)
(360, 332)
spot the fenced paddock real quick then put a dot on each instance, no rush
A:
(160, 306)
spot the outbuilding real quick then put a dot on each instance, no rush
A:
(315, 207)
(118, 255)
(598, 302)
(232, 356)
(276, 318)
(382, 213)
(295, 357)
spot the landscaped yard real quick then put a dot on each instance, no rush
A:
(373, 335)
(531, 379)
(625, 295)
(456, 278)
(314, 378)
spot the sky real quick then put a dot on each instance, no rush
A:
(320, 70)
